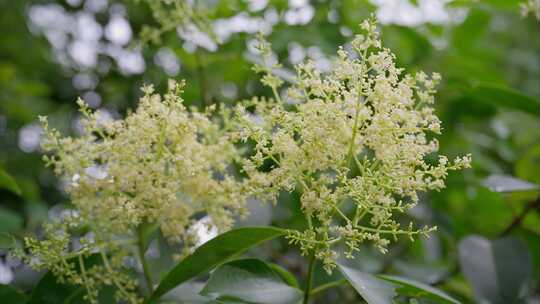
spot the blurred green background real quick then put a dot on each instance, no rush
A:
(487, 248)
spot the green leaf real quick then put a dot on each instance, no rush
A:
(10, 221)
(250, 281)
(470, 33)
(426, 272)
(7, 182)
(417, 289)
(187, 293)
(527, 165)
(7, 241)
(49, 291)
(10, 295)
(213, 253)
(502, 96)
(502, 4)
(285, 275)
(372, 289)
(147, 233)
(36, 212)
(503, 183)
(497, 270)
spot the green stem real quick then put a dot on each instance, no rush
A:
(350, 153)
(144, 263)
(110, 271)
(353, 137)
(336, 208)
(326, 286)
(309, 279)
(83, 273)
(276, 95)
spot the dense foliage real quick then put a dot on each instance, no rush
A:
(300, 147)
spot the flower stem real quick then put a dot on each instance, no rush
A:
(326, 286)
(276, 95)
(309, 279)
(110, 271)
(350, 153)
(144, 263)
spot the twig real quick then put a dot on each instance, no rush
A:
(309, 279)
(144, 263)
(519, 219)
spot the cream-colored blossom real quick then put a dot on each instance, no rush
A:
(531, 7)
(171, 15)
(162, 164)
(356, 137)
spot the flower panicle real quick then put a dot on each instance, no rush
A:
(353, 141)
(163, 164)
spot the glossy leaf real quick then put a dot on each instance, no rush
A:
(250, 281)
(497, 270)
(423, 272)
(417, 289)
(50, 291)
(372, 289)
(503, 183)
(504, 97)
(213, 253)
(188, 293)
(147, 233)
(7, 182)
(285, 275)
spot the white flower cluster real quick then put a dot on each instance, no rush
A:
(173, 15)
(161, 165)
(365, 114)
(531, 7)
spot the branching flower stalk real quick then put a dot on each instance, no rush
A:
(355, 142)
(162, 164)
(174, 15)
(268, 65)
